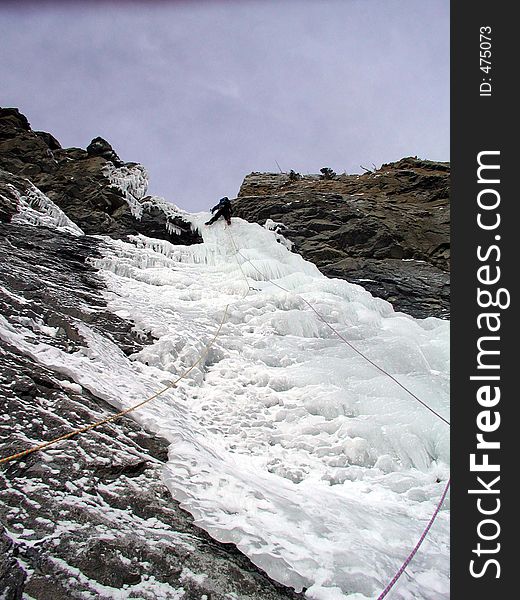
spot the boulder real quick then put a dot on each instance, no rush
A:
(100, 147)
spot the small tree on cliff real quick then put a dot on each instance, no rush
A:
(327, 173)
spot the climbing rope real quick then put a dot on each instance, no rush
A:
(120, 414)
(203, 355)
(401, 570)
(126, 411)
(340, 336)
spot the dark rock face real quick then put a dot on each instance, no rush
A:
(100, 147)
(49, 139)
(78, 181)
(22, 152)
(89, 517)
(8, 203)
(387, 230)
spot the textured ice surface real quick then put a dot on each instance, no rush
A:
(35, 208)
(283, 440)
(132, 180)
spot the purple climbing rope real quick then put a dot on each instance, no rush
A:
(417, 546)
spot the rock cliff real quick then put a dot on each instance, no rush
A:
(387, 230)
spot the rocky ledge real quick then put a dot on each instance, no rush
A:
(99, 192)
(387, 230)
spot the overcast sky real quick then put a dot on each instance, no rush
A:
(204, 92)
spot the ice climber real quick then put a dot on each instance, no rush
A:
(223, 209)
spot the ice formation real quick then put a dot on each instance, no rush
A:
(132, 181)
(35, 208)
(278, 229)
(283, 440)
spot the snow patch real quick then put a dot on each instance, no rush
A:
(277, 228)
(132, 181)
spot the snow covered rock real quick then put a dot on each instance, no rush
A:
(91, 517)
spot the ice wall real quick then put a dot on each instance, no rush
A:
(283, 440)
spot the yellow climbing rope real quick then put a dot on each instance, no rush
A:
(120, 414)
(207, 348)
(124, 412)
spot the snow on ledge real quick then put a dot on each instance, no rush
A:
(171, 211)
(133, 183)
(276, 228)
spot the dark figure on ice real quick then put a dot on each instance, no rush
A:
(223, 209)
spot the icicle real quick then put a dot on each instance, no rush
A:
(132, 181)
(35, 208)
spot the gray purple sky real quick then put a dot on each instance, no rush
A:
(204, 92)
